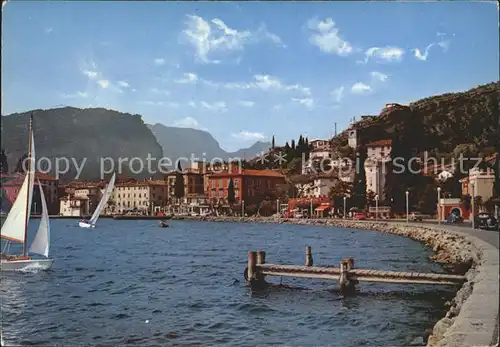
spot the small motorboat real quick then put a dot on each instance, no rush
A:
(164, 224)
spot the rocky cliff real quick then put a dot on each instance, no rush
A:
(77, 134)
(442, 122)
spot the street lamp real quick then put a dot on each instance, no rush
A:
(243, 208)
(344, 205)
(472, 204)
(376, 207)
(439, 205)
(277, 205)
(407, 206)
(311, 213)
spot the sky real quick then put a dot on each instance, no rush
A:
(244, 71)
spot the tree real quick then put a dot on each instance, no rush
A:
(179, 182)
(4, 166)
(272, 143)
(359, 183)
(293, 145)
(370, 198)
(231, 199)
(301, 184)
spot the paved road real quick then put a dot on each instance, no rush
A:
(490, 236)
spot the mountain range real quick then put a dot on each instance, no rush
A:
(96, 133)
(184, 142)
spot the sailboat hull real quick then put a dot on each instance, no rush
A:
(26, 264)
(85, 225)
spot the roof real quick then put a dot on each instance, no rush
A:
(380, 143)
(245, 172)
(142, 183)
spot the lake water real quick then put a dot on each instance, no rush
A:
(133, 283)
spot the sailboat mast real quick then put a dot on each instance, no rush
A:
(26, 220)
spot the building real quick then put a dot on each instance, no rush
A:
(376, 166)
(353, 138)
(81, 197)
(146, 196)
(320, 186)
(481, 180)
(249, 185)
(11, 184)
(194, 186)
(320, 145)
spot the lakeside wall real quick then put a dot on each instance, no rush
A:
(472, 318)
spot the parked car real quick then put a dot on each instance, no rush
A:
(486, 221)
(416, 217)
(359, 216)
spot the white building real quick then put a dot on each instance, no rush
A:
(320, 145)
(320, 187)
(376, 166)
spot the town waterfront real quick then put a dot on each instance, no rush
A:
(131, 282)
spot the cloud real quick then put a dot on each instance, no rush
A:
(215, 106)
(247, 103)
(159, 61)
(444, 44)
(360, 88)
(338, 94)
(48, 30)
(383, 54)
(307, 102)
(192, 104)
(248, 135)
(267, 82)
(103, 83)
(379, 76)
(266, 35)
(326, 37)
(151, 103)
(189, 77)
(90, 74)
(123, 84)
(76, 95)
(208, 38)
(188, 122)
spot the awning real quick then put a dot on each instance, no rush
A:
(322, 208)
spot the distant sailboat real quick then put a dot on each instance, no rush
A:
(15, 227)
(104, 200)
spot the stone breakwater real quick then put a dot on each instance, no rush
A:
(472, 317)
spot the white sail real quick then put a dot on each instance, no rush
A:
(13, 228)
(104, 200)
(41, 242)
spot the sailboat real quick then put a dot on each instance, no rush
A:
(15, 227)
(104, 200)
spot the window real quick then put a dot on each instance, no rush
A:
(220, 183)
(213, 184)
(220, 193)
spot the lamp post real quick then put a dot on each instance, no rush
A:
(407, 207)
(439, 205)
(344, 205)
(277, 205)
(472, 203)
(311, 212)
(376, 207)
(243, 208)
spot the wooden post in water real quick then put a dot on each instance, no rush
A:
(343, 275)
(309, 258)
(261, 257)
(347, 284)
(252, 259)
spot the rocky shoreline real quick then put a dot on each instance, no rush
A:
(457, 253)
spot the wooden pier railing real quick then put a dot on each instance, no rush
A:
(346, 274)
